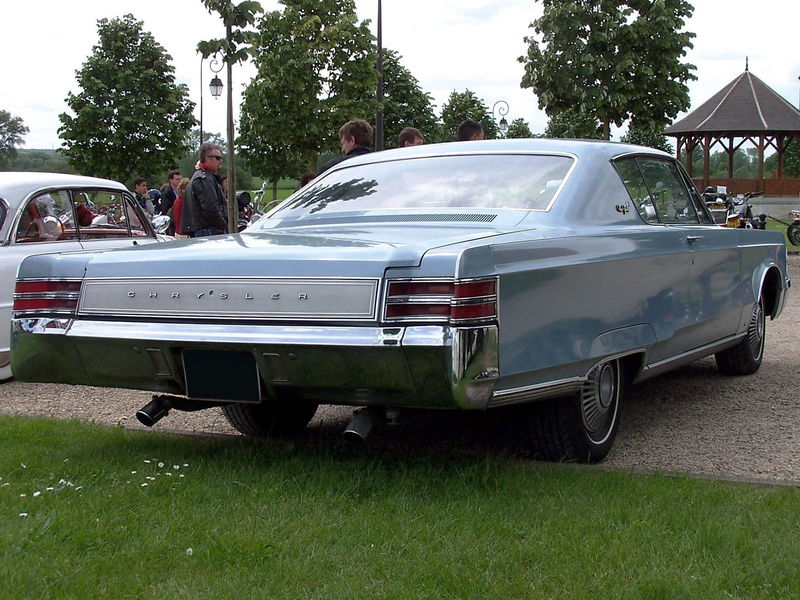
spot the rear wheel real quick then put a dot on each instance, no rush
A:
(270, 419)
(582, 427)
(745, 357)
(793, 233)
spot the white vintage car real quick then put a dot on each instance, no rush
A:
(53, 212)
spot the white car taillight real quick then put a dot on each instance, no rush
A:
(460, 302)
(46, 296)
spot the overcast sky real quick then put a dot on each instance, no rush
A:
(446, 44)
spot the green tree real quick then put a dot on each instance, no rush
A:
(573, 123)
(316, 69)
(461, 106)
(647, 138)
(42, 161)
(791, 160)
(12, 129)
(130, 116)
(519, 128)
(405, 104)
(615, 61)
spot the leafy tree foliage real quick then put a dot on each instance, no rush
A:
(461, 106)
(316, 70)
(130, 116)
(791, 161)
(12, 129)
(42, 161)
(519, 128)
(573, 123)
(651, 139)
(404, 102)
(615, 61)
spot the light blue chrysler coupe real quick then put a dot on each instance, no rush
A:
(546, 274)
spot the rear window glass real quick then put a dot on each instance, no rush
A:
(527, 182)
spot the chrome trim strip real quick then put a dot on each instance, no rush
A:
(234, 334)
(539, 391)
(50, 279)
(702, 351)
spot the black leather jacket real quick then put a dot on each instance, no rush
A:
(204, 205)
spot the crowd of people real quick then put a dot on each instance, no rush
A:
(197, 207)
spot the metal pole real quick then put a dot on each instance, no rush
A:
(201, 100)
(379, 95)
(233, 225)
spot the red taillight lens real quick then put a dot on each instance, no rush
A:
(39, 287)
(42, 296)
(476, 289)
(459, 302)
(467, 312)
(399, 311)
(421, 288)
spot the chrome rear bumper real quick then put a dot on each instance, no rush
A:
(416, 366)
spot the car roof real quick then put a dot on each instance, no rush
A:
(594, 148)
(16, 185)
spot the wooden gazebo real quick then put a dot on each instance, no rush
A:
(745, 110)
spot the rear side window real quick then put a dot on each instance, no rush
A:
(634, 182)
(47, 217)
(659, 191)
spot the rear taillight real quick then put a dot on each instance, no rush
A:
(46, 296)
(460, 302)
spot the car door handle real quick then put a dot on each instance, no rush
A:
(692, 239)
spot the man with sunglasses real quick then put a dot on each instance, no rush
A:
(205, 208)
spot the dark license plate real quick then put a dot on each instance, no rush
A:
(221, 375)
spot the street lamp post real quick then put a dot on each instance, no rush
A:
(379, 94)
(502, 111)
(215, 86)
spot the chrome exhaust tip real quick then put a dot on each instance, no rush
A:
(155, 410)
(362, 423)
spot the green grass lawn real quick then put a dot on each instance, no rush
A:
(113, 513)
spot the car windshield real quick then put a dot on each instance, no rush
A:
(497, 181)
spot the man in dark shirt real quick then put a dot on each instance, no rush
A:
(355, 138)
(169, 192)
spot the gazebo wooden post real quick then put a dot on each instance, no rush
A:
(706, 160)
(729, 150)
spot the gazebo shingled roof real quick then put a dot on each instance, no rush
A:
(746, 105)
(745, 108)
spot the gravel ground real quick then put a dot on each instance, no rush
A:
(692, 420)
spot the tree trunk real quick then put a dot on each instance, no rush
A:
(606, 129)
(275, 191)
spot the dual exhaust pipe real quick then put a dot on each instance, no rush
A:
(359, 428)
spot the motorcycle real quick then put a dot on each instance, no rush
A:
(793, 230)
(740, 212)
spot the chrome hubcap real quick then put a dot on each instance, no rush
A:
(755, 331)
(598, 400)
